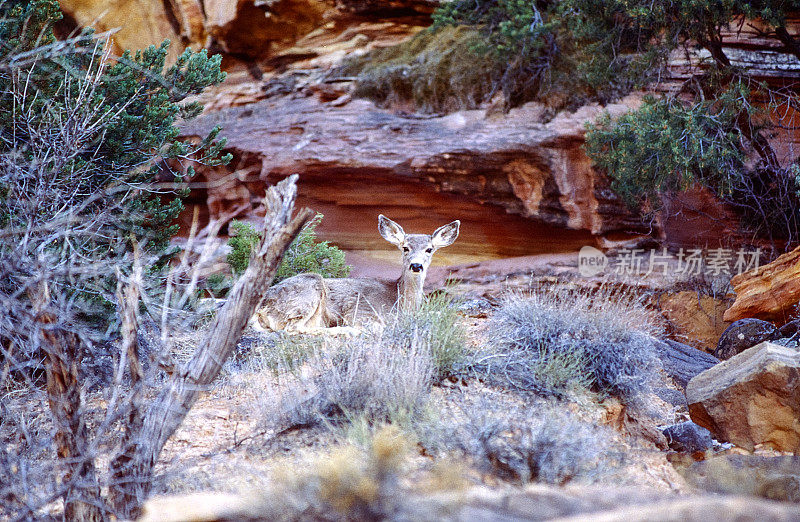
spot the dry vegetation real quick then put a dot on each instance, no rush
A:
(436, 71)
(555, 340)
(379, 424)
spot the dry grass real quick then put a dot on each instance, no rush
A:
(522, 440)
(555, 340)
(384, 374)
(391, 432)
(349, 483)
(435, 71)
(366, 376)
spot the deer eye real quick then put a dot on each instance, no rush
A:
(429, 250)
(405, 249)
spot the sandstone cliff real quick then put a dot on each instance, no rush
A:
(282, 114)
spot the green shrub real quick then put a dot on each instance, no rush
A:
(666, 146)
(242, 242)
(304, 255)
(86, 143)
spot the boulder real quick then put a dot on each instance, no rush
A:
(751, 399)
(789, 330)
(743, 334)
(770, 292)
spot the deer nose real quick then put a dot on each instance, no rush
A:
(416, 267)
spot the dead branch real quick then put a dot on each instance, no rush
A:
(62, 366)
(132, 468)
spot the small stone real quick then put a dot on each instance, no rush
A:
(688, 437)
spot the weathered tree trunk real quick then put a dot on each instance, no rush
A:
(128, 302)
(64, 350)
(132, 469)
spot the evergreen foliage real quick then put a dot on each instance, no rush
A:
(305, 254)
(86, 144)
(242, 242)
(714, 132)
(562, 53)
(666, 146)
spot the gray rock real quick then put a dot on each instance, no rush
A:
(742, 335)
(790, 329)
(671, 396)
(682, 362)
(688, 437)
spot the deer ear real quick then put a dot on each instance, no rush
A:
(446, 235)
(391, 231)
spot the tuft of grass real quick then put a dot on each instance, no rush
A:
(280, 353)
(438, 324)
(543, 443)
(351, 483)
(366, 378)
(384, 374)
(436, 71)
(377, 377)
(554, 340)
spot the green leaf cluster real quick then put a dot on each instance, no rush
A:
(141, 101)
(243, 240)
(666, 146)
(305, 254)
(92, 142)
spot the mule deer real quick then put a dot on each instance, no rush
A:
(308, 302)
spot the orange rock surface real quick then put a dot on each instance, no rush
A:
(751, 399)
(697, 319)
(770, 292)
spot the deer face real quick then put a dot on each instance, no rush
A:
(417, 249)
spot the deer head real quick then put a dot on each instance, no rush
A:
(417, 251)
